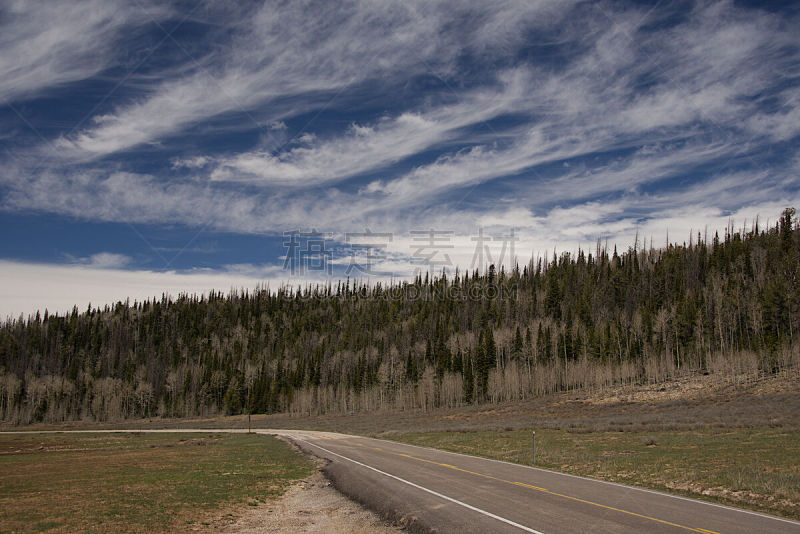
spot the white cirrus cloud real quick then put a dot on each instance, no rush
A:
(364, 148)
(45, 44)
(291, 50)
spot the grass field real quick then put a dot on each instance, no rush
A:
(732, 441)
(757, 468)
(137, 482)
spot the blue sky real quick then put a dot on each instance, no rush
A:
(151, 147)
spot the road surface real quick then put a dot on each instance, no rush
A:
(448, 492)
(452, 492)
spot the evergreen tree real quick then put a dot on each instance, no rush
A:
(640, 315)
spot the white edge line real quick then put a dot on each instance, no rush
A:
(655, 492)
(445, 497)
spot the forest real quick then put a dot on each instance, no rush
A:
(725, 304)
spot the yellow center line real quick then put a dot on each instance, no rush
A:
(362, 445)
(530, 486)
(701, 530)
(544, 490)
(454, 467)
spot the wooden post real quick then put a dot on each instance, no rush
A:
(248, 424)
(533, 448)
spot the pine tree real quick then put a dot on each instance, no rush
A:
(284, 349)
(516, 350)
(468, 384)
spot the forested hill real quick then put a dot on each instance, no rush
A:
(727, 304)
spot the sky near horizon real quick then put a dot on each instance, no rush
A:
(151, 147)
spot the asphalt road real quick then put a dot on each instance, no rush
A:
(450, 492)
(439, 491)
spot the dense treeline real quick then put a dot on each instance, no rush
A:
(725, 304)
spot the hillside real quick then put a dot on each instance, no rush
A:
(721, 305)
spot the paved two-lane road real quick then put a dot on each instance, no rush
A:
(451, 492)
(448, 492)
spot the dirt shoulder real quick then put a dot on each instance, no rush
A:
(312, 505)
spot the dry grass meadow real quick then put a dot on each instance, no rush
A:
(138, 482)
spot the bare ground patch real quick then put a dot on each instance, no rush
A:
(312, 505)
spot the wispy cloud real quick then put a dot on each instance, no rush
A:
(566, 121)
(103, 260)
(365, 148)
(292, 51)
(45, 44)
